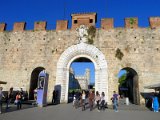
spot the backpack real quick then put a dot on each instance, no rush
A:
(115, 97)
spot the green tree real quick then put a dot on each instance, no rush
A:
(122, 79)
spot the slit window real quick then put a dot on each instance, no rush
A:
(75, 21)
(91, 21)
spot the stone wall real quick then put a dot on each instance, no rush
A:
(23, 51)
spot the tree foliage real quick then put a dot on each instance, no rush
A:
(91, 34)
(122, 79)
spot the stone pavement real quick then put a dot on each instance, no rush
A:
(130, 107)
(67, 112)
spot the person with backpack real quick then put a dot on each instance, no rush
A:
(115, 101)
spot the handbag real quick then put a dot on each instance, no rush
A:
(16, 101)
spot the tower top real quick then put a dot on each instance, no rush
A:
(87, 19)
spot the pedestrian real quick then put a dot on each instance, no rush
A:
(57, 97)
(22, 94)
(35, 94)
(115, 101)
(73, 93)
(19, 100)
(102, 102)
(54, 97)
(9, 97)
(74, 101)
(97, 99)
(83, 100)
(155, 103)
(1, 96)
(91, 99)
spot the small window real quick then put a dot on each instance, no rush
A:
(75, 21)
(91, 21)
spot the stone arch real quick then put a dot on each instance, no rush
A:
(77, 51)
(34, 81)
(132, 78)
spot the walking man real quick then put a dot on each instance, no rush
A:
(9, 97)
(115, 101)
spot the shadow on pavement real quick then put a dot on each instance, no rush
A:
(12, 107)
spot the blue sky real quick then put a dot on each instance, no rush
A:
(121, 72)
(79, 69)
(51, 10)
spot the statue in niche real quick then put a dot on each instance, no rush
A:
(41, 79)
(82, 33)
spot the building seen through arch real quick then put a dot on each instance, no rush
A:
(80, 75)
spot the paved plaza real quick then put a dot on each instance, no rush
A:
(67, 112)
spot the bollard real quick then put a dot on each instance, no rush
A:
(127, 101)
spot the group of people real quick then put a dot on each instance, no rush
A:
(11, 97)
(100, 101)
(80, 99)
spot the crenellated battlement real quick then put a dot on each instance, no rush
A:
(19, 26)
(106, 23)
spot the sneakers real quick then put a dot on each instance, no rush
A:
(116, 111)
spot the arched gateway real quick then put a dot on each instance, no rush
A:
(77, 51)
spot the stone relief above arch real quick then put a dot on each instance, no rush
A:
(82, 33)
(77, 51)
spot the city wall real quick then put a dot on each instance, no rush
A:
(21, 51)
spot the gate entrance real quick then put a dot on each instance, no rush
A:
(129, 85)
(74, 52)
(34, 81)
(81, 76)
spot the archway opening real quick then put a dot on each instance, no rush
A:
(34, 81)
(81, 76)
(128, 84)
(74, 52)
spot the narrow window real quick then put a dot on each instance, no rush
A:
(91, 21)
(75, 21)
